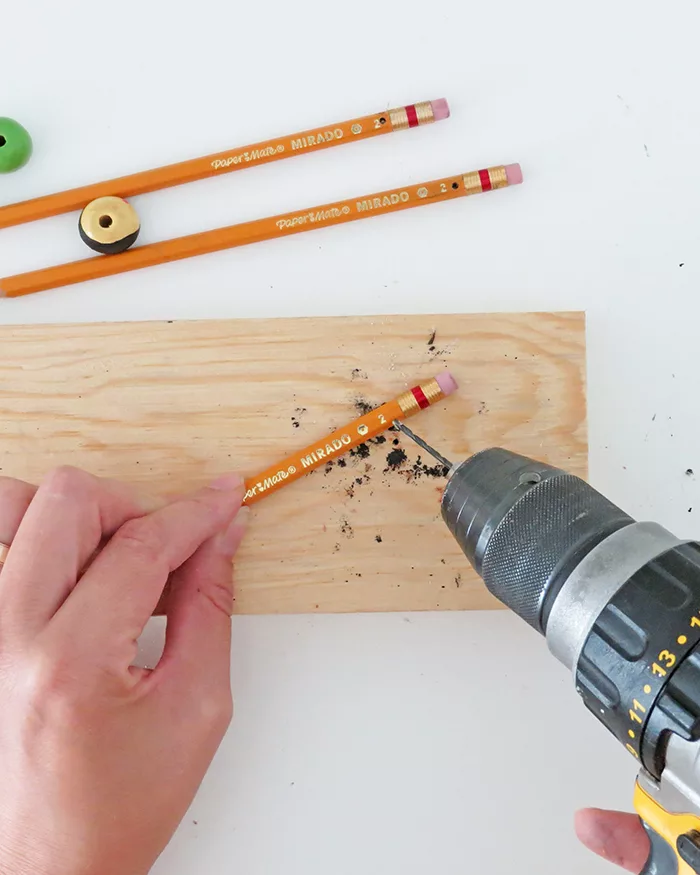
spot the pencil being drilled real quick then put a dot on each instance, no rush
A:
(352, 435)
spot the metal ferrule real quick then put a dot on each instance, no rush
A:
(407, 400)
(473, 183)
(399, 116)
(424, 112)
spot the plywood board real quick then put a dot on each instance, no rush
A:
(170, 406)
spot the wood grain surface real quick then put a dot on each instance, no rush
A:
(169, 406)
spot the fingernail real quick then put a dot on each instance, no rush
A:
(227, 483)
(230, 540)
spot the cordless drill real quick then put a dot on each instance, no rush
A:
(619, 604)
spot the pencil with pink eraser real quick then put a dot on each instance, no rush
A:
(237, 158)
(344, 439)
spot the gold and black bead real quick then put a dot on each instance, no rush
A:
(109, 225)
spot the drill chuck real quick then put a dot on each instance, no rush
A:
(523, 525)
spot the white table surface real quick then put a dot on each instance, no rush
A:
(398, 745)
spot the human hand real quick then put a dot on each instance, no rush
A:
(615, 836)
(100, 760)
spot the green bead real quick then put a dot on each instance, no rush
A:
(15, 145)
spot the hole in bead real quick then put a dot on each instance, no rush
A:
(2, 141)
(106, 221)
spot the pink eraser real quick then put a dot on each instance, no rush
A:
(514, 174)
(441, 109)
(446, 382)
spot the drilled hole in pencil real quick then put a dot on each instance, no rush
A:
(2, 141)
(105, 221)
(382, 121)
(455, 185)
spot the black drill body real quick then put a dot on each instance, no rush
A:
(619, 604)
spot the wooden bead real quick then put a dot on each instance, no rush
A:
(109, 225)
(15, 145)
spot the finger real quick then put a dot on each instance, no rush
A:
(197, 655)
(162, 607)
(615, 836)
(117, 594)
(61, 529)
(15, 497)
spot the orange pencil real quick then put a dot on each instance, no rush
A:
(262, 229)
(384, 122)
(343, 439)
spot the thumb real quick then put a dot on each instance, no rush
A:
(615, 836)
(197, 652)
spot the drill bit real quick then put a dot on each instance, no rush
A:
(421, 443)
